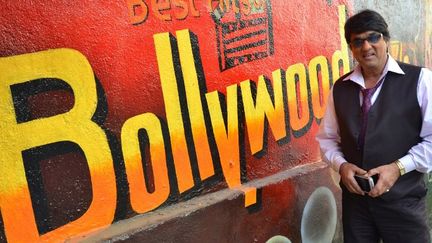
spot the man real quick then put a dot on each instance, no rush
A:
(378, 123)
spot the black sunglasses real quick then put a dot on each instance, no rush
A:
(371, 38)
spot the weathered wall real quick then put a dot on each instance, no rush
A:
(176, 120)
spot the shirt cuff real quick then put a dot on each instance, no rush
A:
(408, 163)
(337, 162)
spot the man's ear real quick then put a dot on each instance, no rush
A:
(387, 41)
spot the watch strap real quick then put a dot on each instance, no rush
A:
(401, 167)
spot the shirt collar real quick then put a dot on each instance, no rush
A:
(391, 66)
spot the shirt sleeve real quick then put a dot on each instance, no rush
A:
(419, 157)
(328, 137)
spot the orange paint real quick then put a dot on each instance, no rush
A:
(227, 5)
(319, 84)
(182, 9)
(250, 196)
(138, 11)
(194, 103)
(226, 136)
(75, 126)
(173, 111)
(298, 104)
(264, 107)
(194, 12)
(141, 199)
(158, 6)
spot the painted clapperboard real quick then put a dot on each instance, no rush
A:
(243, 33)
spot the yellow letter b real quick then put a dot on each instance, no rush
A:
(74, 125)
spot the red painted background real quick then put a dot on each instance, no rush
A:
(118, 41)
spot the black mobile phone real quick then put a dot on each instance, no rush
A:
(366, 183)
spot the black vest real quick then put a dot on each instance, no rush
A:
(394, 124)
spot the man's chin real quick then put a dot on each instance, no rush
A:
(369, 63)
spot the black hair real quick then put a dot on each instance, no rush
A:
(366, 20)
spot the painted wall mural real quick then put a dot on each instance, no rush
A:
(109, 112)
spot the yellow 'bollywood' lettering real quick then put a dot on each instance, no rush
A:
(226, 136)
(227, 140)
(195, 107)
(173, 111)
(341, 56)
(75, 126)
(141, 199)
(319, 84)
(298, 103)
(255, 114)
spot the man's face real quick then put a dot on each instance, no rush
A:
(369, 49)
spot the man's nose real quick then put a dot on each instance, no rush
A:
(366, 44)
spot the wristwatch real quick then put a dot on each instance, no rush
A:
(401, 167)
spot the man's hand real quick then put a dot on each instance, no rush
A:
(388, 174)
(347, 172)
